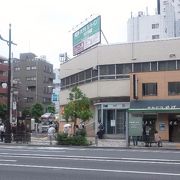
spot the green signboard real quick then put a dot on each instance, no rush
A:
(87, 36)
(135, 126)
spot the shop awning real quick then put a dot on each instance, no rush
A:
(169, 106)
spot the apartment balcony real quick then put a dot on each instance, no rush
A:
(3, 67)
(3, 90)
(3, 79)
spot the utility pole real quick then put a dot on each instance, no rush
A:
(9, 104)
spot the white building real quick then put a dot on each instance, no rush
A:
(164, 24)
(144, 27)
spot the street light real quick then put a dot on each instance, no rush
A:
(8, 125)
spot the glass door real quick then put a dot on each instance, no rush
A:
(109, 121)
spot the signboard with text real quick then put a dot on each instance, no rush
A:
(135, 126)
(87, 36)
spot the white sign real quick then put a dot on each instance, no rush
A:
(113, 123)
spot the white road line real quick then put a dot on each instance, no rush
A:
(8, 160)
(89, 169)
(97, 159)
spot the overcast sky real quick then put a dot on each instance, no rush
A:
(45, 27)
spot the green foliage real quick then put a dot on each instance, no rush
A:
(51, 109)
(3, 111)
(78, 106)
(78, 140)
(26, 112)
(37, 110)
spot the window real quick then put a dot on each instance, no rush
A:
(88, 75)
(33, 67)
(173, 88)
(166, 65)
(31, 78)
(155, 36)
(149, 89)
(153, 66)
(28, 68)
(107, 71)
(155, 26)
(17, 68)
(178, 64)
(123, 68)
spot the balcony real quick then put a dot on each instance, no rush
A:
(3, 90)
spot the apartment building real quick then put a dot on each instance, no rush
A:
(34, 77)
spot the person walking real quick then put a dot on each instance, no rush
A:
(51, 133)
(2, 130)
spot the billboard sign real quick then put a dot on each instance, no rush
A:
(87, 36)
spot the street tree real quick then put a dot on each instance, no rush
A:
(26, 112)
(78, 107)
(3, 111)
(51, 108)
(36, 111)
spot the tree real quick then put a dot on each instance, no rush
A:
(3, 111)
(36, 111)
(26, 112)
(78, 107)
(51, 108)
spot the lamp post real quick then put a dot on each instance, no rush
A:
(7, 124)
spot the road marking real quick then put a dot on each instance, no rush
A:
(8, 160)
(89, 169)
(120, 149)
(93, 158)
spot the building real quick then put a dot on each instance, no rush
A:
(104, 73)
(164, 24)
(56, 90)
(3, 79)
(34, 77)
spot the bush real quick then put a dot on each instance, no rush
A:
(64, 139)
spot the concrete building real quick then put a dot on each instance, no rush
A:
(56, 90)
(164, 24)
(103, 74)
(144, 27)
(35, 80)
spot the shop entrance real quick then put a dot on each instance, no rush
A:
(149, 121)
(114, 121)
(174, 128)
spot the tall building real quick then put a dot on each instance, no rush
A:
(144, 27)
(34, 77)
(164, 24)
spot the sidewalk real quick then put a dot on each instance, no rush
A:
(122, 144)
(42, 140)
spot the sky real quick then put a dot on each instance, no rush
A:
(45, 27)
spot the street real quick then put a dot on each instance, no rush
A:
(35, 162)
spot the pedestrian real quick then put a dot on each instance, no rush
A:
(157, 138)
(101, 131)
(51, 133)
(2, 131)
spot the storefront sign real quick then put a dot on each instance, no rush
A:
(161, 107)
(135, 126)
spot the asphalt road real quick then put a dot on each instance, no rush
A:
(51, 163)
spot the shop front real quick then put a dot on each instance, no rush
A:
(159, 115)
(113, 116)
